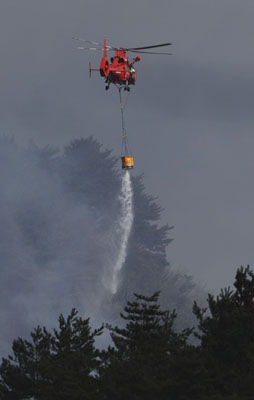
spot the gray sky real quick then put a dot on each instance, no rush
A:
(189, 118)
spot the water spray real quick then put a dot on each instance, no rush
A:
(124, 228)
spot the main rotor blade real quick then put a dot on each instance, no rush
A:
(150, 52)
(148, 47)
(89, 48)
(92, 48)
(96, 43)
(87, 41)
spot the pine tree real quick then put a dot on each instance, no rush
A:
(54, 366)
(227, 339)
(89, 173)
(138, 366)
(74, 360)
(22, 375)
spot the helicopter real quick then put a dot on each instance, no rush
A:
(119, 70)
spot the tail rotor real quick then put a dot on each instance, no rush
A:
(92, 69)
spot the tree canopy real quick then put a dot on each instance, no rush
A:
(147, 359)
(61, 364)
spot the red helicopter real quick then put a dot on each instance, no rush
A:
(119, 70)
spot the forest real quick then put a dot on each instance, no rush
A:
(147, 359)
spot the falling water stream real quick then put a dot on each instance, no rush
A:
(124, 228)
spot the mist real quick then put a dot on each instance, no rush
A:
(77, 232)
(56, 251)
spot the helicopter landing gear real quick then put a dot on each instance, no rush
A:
(107, 81)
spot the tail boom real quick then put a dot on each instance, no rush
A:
(92, 69)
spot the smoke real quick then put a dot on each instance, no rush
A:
(56, 250)
(124, 228)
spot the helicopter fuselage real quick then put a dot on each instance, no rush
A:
(119, 71)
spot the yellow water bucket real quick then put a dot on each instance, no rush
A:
(127, 162)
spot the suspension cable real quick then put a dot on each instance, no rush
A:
(122, 106)
(125, 146)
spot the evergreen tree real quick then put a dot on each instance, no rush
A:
(22, 375)
(147, 268)
(227, 339)
(54, 366)
(91, 175)
(74, 360)
(138, 366)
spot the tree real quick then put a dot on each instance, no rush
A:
(54, 366)
(227, 339)
(89, 173)
(138, 366)
(147, 269)
(74, 360)
(22, 374)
